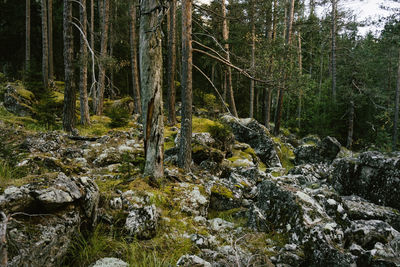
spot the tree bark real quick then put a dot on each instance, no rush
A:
(171, 62)
(134, 63)
(253, 49)
(334, 29)
(3, 239)
(45, 46)
(69, 91)
(150, 58)
(185, 148)
(103, 53)
(351, 126)
(225, 35)
(50, 34)
(28, 36)
(83, 96)
(396, 109)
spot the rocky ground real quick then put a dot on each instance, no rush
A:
(251, 200)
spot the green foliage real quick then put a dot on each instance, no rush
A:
(3, 78)
(119, 116)
(222, 133)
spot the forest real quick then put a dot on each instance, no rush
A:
(198, 133)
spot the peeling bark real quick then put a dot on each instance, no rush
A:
(150, 58)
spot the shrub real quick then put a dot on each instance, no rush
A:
(222, 133)
(119, 117)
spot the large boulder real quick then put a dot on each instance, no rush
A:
(257, 136)
(360, 209)
(372, 175)
(18, 103)
(323, 151)
(53, 208)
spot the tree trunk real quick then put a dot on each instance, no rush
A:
(267, 108)
(396, 109)
(351, 126)
(50, 34)
(229, 88)
(134, 63)
(103, 53)
(150, 58)
(288, 40)
(28, 36)
(69, 91)
(300, 59)
(83, 96)
(253, 49)
(3, 240)
(45, 46)
(171, 62)
(93, 89)
(185, 148)
(334, 29)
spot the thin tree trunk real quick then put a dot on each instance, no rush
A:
(50, 34)
(300, 59)
(171, 62)
(351, 126)
(103, 53)
(45, 46)
(396, 109)
(28, 36)
(92, 46)
(267, 104)
(229, 88)
(334, 29)
(83, 96)
(150, 58)
(185, 148)
(289, 26)
(253, 49)
(134, 63)
(69, 92)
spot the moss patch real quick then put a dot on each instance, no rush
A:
(222, 191)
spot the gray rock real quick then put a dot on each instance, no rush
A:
(257, 136)
(372, 175)
(110, 262)
(360, 209)
(324, 151)
(192, 260)
(142, 222)
(219, 224)
(17, 104)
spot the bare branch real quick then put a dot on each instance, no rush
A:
(231, 65)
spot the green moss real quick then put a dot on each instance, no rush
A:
(202, 125)
(285, 154)
(28, 95)
(222, 191)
